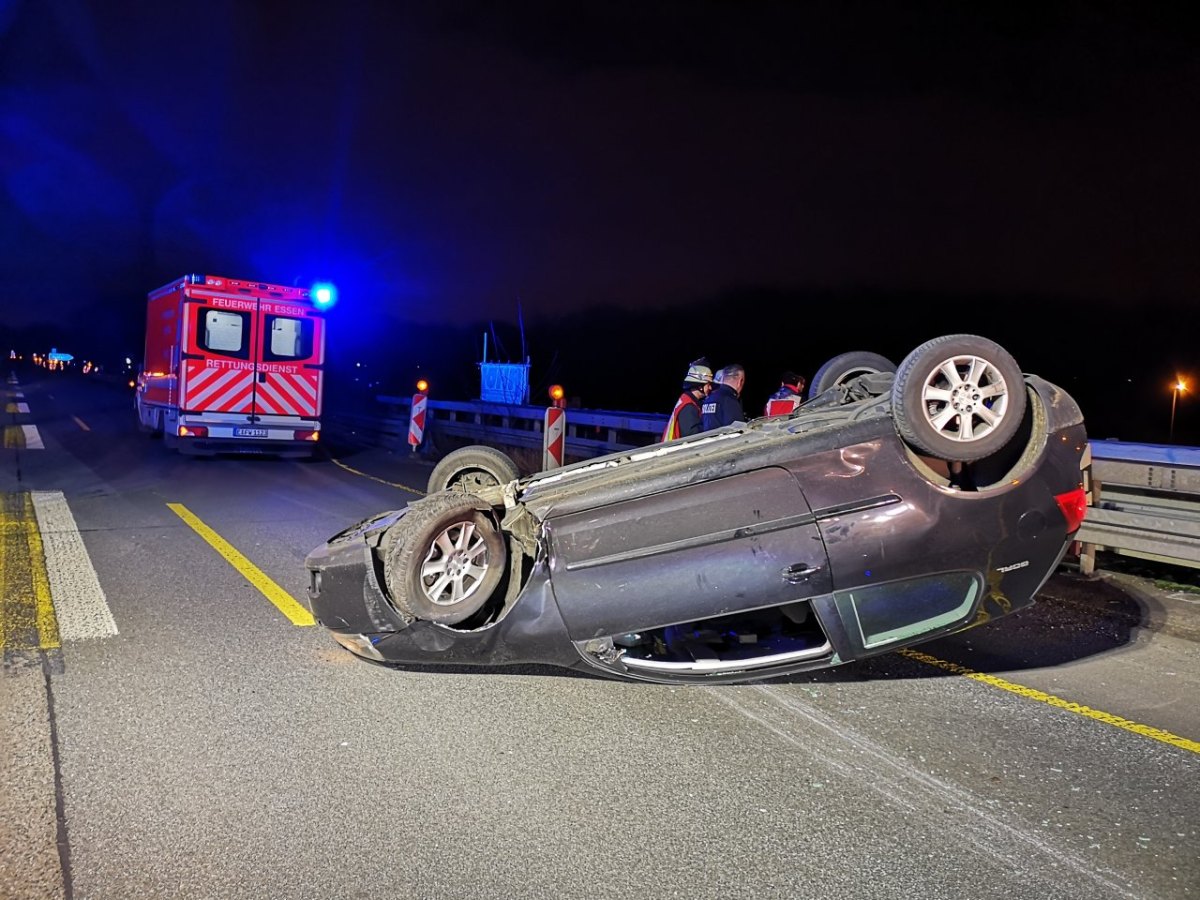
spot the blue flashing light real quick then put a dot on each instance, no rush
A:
(324, 295)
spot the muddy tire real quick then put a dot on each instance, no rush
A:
(472, 468)
(847, 366)
(447, 559)
(960, 397)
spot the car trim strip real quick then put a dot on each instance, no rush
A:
(707, 666)
(832, 512)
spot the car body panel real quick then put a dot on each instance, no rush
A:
(705, 549)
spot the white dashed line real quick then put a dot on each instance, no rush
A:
(33, 440)
(79, 603)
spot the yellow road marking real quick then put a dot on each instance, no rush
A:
(283, 601)
(10, 407)
(1107, 718)
(81, 423)
(395, 484)
(27, 619)
(14, 437)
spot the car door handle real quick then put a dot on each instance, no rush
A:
(796, 573)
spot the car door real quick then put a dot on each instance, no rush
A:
(725, 545)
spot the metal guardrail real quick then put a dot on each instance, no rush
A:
(1145, 497)
(1145, 503)
(590, 432)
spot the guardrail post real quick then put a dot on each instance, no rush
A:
(1087, 550)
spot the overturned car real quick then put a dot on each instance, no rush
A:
(897, 504)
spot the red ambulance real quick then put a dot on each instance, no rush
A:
(233, 367)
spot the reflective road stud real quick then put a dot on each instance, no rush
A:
(416, 425)
(554, 438)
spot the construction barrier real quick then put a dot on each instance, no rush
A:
(416, 422)
(554, 441)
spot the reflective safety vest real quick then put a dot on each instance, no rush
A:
(672, 430)
(781, 406)
(782, 402)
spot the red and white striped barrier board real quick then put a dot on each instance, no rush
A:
(554, 441)
(416, 424)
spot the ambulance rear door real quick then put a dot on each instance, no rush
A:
(217, 371)
(289, 360)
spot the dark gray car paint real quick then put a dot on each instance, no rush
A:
(716, 523)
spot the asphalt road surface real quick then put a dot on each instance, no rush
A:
(167, 729)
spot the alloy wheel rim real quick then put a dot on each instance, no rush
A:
(455, 565)
(965, 398)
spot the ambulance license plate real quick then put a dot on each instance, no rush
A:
(249, 432)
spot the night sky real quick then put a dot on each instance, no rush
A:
(767, 183)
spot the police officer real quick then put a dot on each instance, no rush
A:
(724, 406)
(788, 397)
(685, 417)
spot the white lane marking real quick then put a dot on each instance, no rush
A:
(33, 440)
(79, 603)
(816, 734)
(22, 407)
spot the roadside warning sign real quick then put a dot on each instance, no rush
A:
(416, 424)
(555, 438)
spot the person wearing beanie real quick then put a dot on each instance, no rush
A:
(788, 397)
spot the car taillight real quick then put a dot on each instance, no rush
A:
(193, 431)
(306, 435)
(1074, 506)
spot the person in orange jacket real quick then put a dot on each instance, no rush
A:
(685, 417)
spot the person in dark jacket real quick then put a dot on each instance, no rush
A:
(789, 395)
(685, 417)
(724, 406)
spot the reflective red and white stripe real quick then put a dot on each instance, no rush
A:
(217, 390)
(290, 394)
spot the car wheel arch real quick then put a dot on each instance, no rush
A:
(454, 535)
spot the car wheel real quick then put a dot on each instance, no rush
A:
(843, 368)
(960, 397)
(447, 559)
(472, 468)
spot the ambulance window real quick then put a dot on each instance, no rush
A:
(288, 338)
(223, 332)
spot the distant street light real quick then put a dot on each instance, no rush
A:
(1179, 387)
